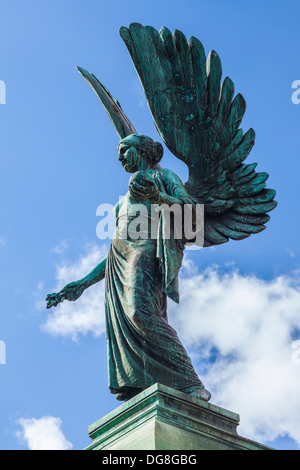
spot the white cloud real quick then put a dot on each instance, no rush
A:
(249, 324)
(238, 329)
(86, 314)
(43, 434)
(60, 248)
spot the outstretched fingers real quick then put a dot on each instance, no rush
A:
(54, 299)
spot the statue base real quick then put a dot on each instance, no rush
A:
(161, 418)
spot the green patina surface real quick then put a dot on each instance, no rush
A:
(161, 418)
(198, 119)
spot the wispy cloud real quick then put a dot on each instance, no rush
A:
(239, 330)
(86, 315)
(290, 253)
(60, 247)
(43, 434)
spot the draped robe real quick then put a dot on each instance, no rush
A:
(140, 273)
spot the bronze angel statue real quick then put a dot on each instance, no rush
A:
(198, 119)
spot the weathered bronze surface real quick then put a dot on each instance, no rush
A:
(161, 418)
(198, 119)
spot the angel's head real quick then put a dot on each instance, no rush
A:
(139, 152)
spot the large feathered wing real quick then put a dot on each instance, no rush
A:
(198, 118)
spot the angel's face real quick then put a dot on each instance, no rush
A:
(129, 156)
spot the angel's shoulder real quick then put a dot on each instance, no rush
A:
(168, 176)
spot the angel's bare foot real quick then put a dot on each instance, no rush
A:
(202, 394)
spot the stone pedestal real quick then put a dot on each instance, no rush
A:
(161, 418)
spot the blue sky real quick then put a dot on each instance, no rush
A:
(59, 162)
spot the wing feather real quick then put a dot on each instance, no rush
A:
(198, 60)
(199, 119)
(214, 73)
(227, 94)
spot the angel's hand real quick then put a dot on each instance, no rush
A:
(71, 291)
(142, 187)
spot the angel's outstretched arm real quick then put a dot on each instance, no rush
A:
(96, 275)
(74, 290)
